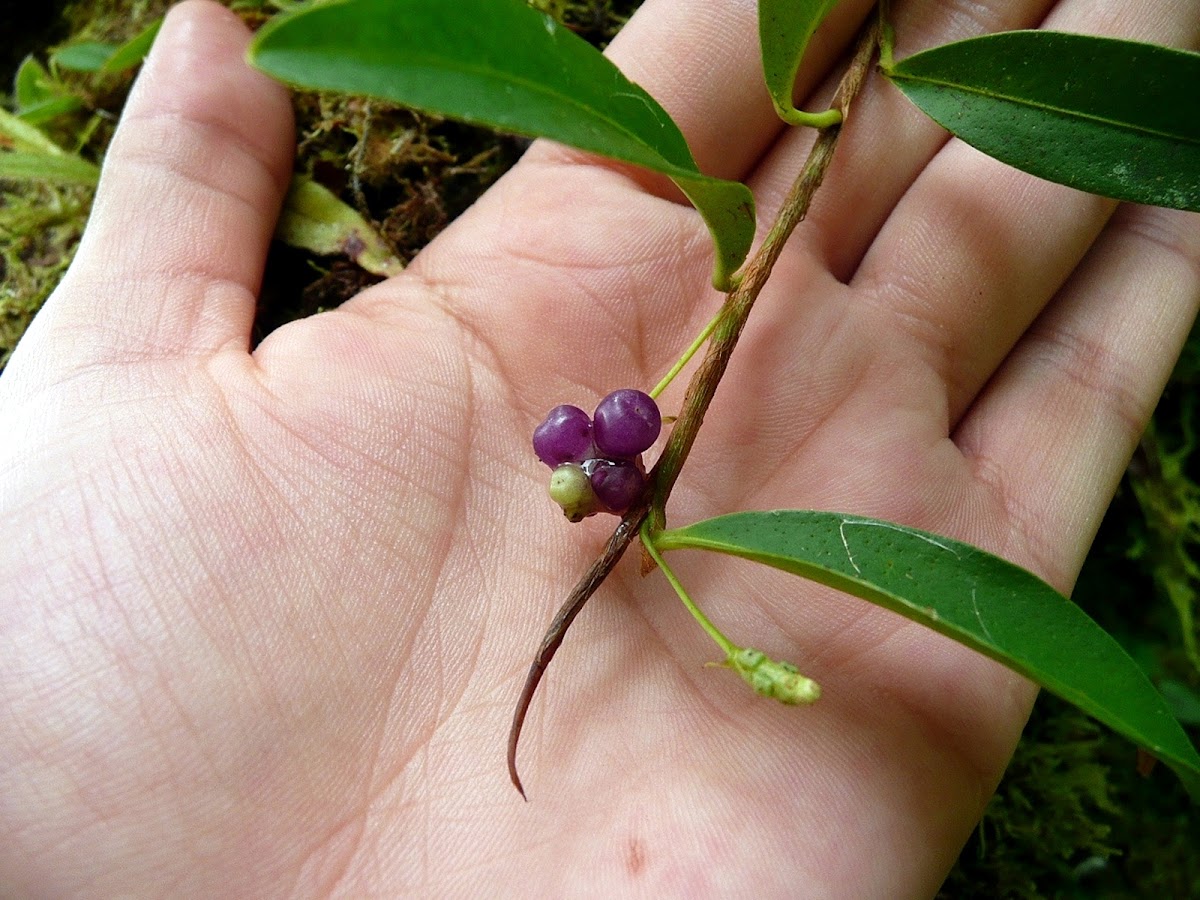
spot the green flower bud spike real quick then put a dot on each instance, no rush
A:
(770, 678)
(773, 678)
(571, 488)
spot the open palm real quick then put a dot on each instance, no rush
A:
(263, 616)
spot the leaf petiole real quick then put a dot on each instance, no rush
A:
(703, 336)
(768, 677)
(824, 119)
(727, 646)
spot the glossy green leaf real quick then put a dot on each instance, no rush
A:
(976, 598)
(784, 30)
(1111, 117)
(133, 51)
(88, 56)
(315, 219)
(502, 64)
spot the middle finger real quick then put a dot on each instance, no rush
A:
(975, 249)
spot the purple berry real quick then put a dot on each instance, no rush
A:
(626, 423)
(564, 436)
(617, 485)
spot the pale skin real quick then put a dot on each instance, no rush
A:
(265, 613)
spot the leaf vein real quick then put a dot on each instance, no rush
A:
(1047, 107)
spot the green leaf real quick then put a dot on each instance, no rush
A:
(784, 30)
(1183, 701)
(35, 157)
(19, 165)
(978, 599)
(32, 84)
(133, 51)
(107, 59)
(24, 136)
(505, 65)
(40, 97)
(51, 109)
(89, 56)
(315, 219)
(1111, 117)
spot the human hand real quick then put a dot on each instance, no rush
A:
(265, 613)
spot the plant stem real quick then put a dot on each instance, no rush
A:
(732, 320)
(887, 36)
(741, 299)
(728, 647)
(618, 543)
(727, 328)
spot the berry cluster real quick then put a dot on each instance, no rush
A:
(597, 461)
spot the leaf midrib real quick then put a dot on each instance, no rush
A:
(498, 77)
(1033, 104)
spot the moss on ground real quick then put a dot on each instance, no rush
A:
(1072, 818)
(39, 229)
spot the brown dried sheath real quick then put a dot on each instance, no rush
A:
(618, 542)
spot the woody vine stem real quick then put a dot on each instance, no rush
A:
(650, 510)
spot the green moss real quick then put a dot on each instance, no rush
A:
(1046, 828)
(408, 174)
(597, 21)
(40, 226)
(1161, 479)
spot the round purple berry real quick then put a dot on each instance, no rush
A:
(618, 485)
(626, 422)
(564, 436)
